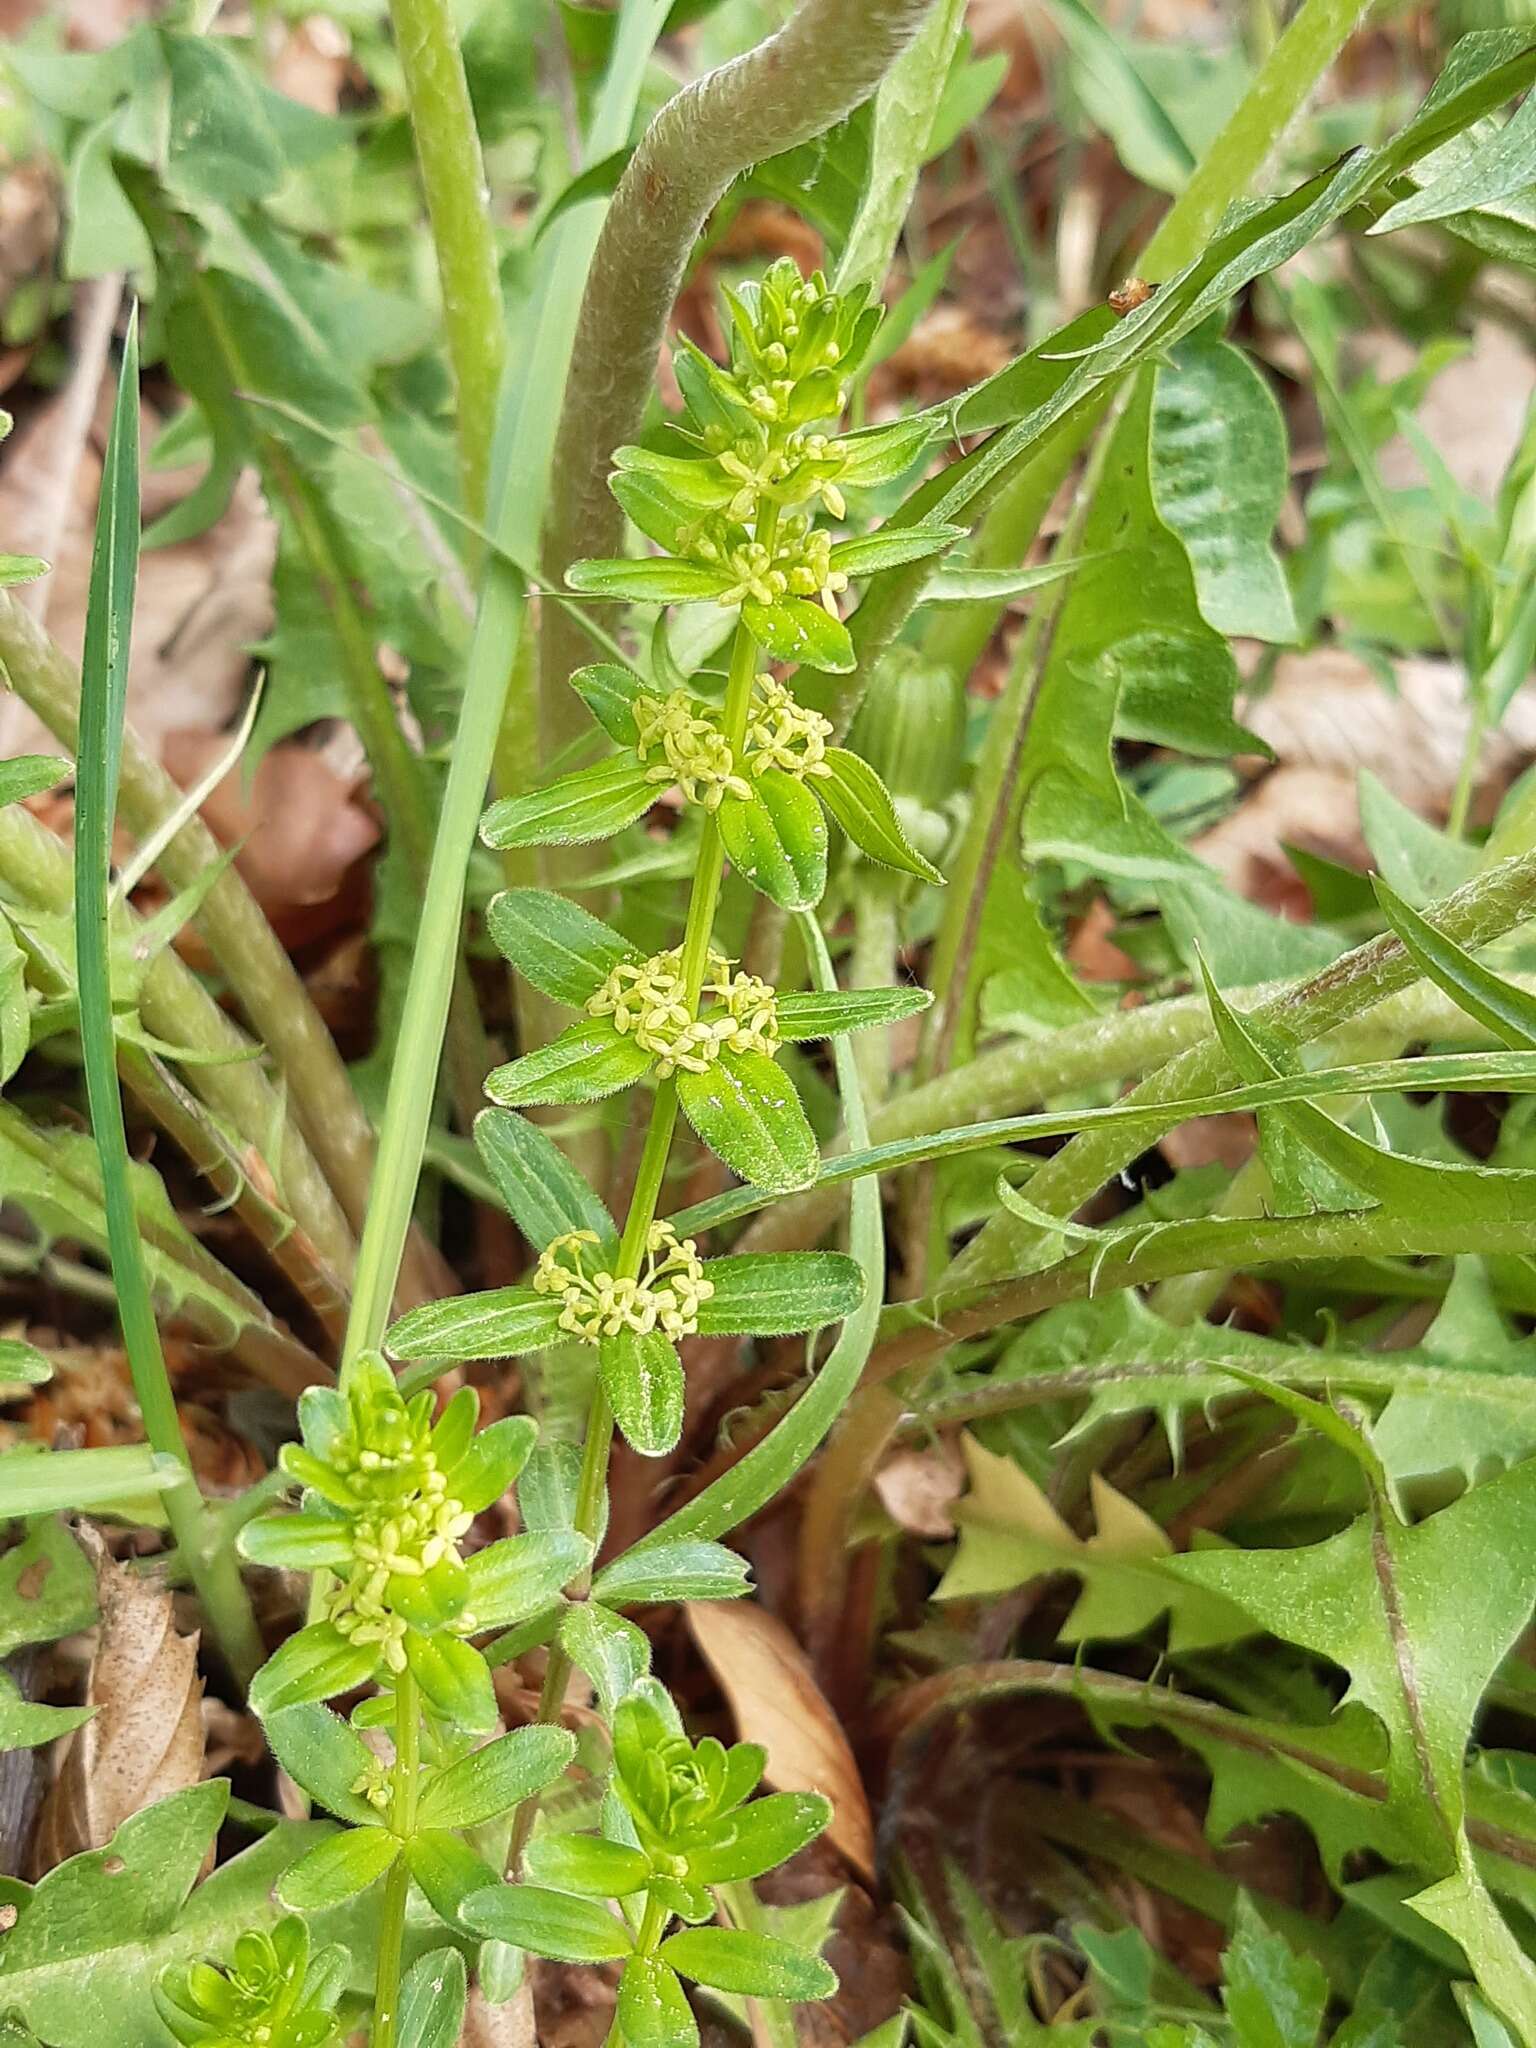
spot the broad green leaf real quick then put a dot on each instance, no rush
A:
(545, 1194)
(746, 1110)
(805, 1014)
(1508, 1012)
(47, 1585)
(1010, 1534)
(336, 1869)
(504, 1322)
(592, 804)
(653, 2009)
(1420, 1617)
(652, 580)
(609, 693)
(29, 775)
(1219, 476)
(548, 1923)
(78, 1964)
(776, 839)
(1421, 863)
(432, 2000)
(28, 1724)
(326, 1756)
(613, 1653)
(315, 1663)
(992, 587)
(755, 1965)
(447, 1870)
(799, 630)
(757, 1838)
(769, 1294)
(221, 147)
(643, 1378)
(454, 1679)
(586, 1864)
(492, 1780)
(493, 1460)
(672, 1571)
(561, 948)
(861, 804)
(522, 1575)
(585, 1063)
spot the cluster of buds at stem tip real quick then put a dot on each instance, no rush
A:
(649, 999)
(666, 1294)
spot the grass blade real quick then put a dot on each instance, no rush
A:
(103, 697)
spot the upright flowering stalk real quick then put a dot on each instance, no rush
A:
(389, 1489)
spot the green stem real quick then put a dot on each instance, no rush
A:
(429, 992)
(453, 178)
(1099, 1051)
(703, 898)
(386, 2002)
(1489, 905)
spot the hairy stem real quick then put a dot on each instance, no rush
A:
(386, 2002)
(703, 898)
(826, 60)
(1487, 906)
(453, 179)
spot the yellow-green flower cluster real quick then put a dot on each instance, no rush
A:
(649, 1000)
(665, 1295)
(783, 733)
(696, 755)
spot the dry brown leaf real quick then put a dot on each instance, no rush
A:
(295, 822)
(1327, 709)
(766, 1677)
(500, 2026)
(1313, 808)
(145, 1739)
(1229, 1140)
(918, 1488)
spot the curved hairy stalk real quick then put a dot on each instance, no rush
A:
(828, 58)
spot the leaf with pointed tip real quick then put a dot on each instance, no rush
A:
(1010, 1534)
(585, 1063)
(861, 804)
(672, 1571)
(504, 1322)
(521, 1576)
(548, 1923)
(892, 547)
(651, 580)
(29, 775)
(805, 1014)
(797, 629)
(771, 1294)
(754, 1965)
(1507, 1011)
(594, 803)
(609, 693)
(492, 1780)
(338, 1868)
